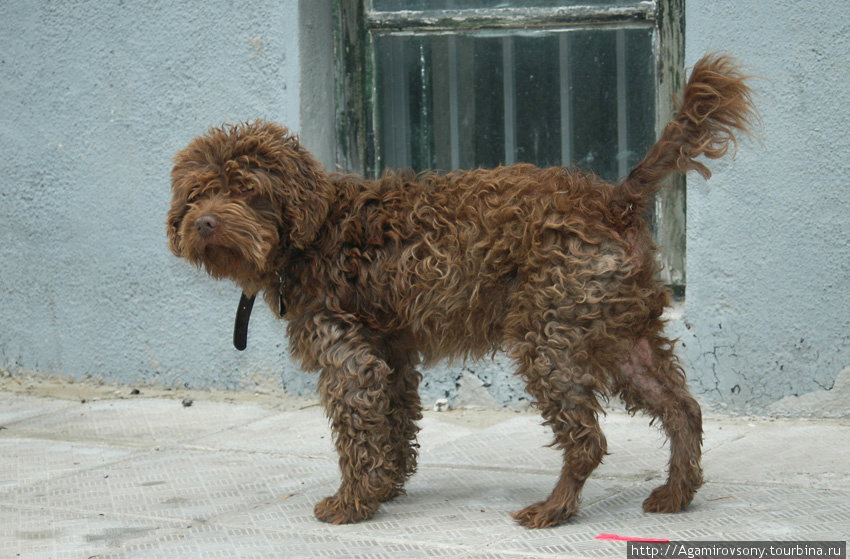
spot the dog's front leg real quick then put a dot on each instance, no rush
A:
(354, 385)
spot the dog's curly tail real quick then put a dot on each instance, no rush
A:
(717, 102)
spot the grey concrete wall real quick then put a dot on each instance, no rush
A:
(767, 311)
(96, 97)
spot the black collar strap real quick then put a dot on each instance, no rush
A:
(243, 315)
(281, 306)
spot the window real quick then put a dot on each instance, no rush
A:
(447, 84)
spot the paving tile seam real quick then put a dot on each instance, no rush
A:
(108, 440)
(156, 447)
(230, 428)
(57, 411)
(706, 451)
(73, 472)
(256, 452)
(640, 477)
(750, 485)
(655, 476)
(468, 549)
(104, 442)
(164, 527)
(34, 433)
(480, 467)
(140, 449)
(613, 493)
(92, 513)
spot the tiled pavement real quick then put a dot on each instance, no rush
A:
(149, 478)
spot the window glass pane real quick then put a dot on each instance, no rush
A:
(424, 5)
(464, 100)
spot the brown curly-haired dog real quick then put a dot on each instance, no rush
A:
(374, 276)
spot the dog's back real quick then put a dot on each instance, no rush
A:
(445, 255)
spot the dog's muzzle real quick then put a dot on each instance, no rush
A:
(207, 225)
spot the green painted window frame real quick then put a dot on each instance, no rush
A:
(355, 27)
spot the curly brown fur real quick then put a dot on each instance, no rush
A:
(554, 266)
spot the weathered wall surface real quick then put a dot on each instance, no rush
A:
(95, 99)
(768, 297)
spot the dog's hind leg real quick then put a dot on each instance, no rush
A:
(565, 394)
(650, 379)
(405, 411)
(355, 388)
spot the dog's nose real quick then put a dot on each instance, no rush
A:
(206, 225)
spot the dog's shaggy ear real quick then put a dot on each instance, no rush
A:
(306, 191)
(175, 218)
(307, 201)
(183, 178)
(179, 206)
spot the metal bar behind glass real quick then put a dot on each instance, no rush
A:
(397, 120)
(622, 111)
(509, 88)
(454, 103)
(566, 95)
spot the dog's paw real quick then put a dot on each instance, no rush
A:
(544, 515)
(392, 493)
(335, 510)
(665, 499)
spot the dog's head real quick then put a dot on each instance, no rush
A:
(241, 193)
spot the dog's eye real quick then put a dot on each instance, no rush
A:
(245, 188)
